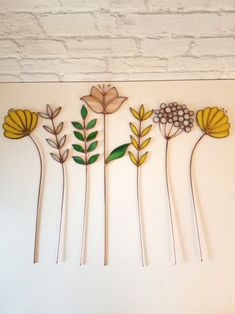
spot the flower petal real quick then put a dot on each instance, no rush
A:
(97, 94)
(213, 111)
(220, 134)
(217, 117)
(221, 128)
(34, 121)
(22, 117)
(220, 122)
(93, 103)
(9, 128)
(200, 120)
(10, 122)
(110, 95)
(28, 119)
(13, 135)
(115, 104)
(205, 116)
(16, 119)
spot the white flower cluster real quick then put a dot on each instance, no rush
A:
(178, 115)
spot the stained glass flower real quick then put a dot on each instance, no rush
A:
(104, 99)
(19, 123)
(213, 122)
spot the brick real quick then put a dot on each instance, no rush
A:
(69, 24)
(28, 5)
(213, 46)
(101, 47)
(165, 47)
(137, 65)
(177, 24)
(203, 64)
(218, 5)
(127, 5)
(9, 78)
(77, 76)
(8, 48)
(42, 48)
(10, 66)
(85, 5)
(179, 6)
(39, 77)
(63, 65)
(18, 25)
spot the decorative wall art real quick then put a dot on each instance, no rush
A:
(18, 124)
(90, 146)
(139, 142)
(60, 156)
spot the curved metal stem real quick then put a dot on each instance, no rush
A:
(169, 201)
(61, 212)
(193, 197)
(35, 255)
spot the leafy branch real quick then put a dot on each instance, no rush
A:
(86, 146)
(61, 156)
(139, 144)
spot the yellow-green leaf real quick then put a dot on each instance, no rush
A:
(147, 115)
(146, 130)
(134, 129)
(145, 143)
(142, 159)
(135, 113)
(134, 142)
(132, 158)
(141, 112)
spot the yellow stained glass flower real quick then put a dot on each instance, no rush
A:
(19, 123)
(213, 122)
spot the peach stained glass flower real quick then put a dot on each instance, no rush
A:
(106, 100)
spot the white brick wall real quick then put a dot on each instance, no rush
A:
(74, 40)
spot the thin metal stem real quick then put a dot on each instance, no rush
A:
(193, 197)
(61, 212)
(139, 218)
(105, 196)
(139, 202)
(169, 201)
(35, 255)
(84, 224)
(82, 254)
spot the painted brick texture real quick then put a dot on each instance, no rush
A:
(79, 40)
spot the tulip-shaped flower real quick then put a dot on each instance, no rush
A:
(105, 100)
(19, 124)
(173, 119)
(214, 123)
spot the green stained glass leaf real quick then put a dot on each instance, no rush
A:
(78, 148)
(78, 160)
(93, 159)
(91, 124)
(84, 112)
(79, 135)
(117, 152)
(92, 135)
(77, 125)
(92, 146)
